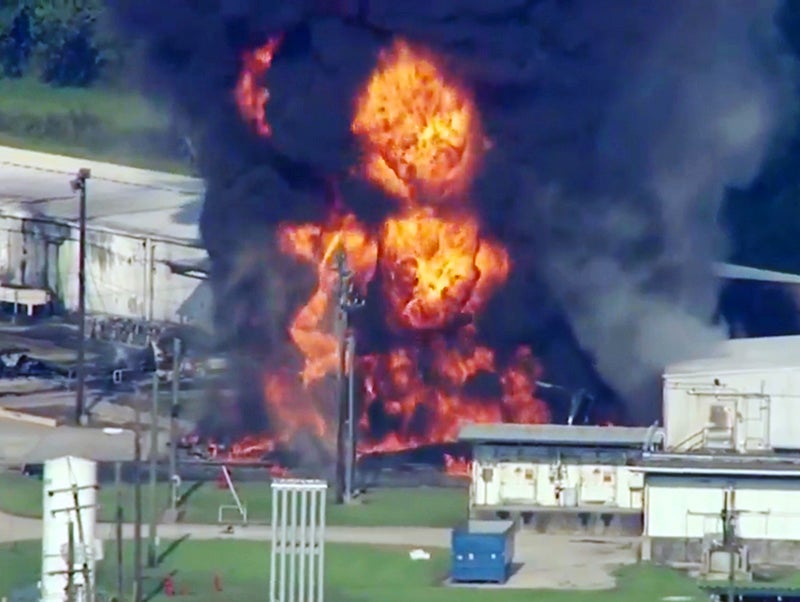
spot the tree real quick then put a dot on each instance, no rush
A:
(64, 43)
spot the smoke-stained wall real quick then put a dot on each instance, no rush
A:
(614, 128)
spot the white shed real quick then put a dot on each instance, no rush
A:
(743, 398)
(685, 497)
(557, 474)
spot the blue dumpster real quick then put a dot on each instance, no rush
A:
(482, 551)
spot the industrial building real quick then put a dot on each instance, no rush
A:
(685, 496)
(559, 477)
(729, 446)
(730, 427)
(142, 239)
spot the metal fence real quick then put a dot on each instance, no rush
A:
(297, 563)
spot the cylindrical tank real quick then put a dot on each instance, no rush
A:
(69, 498)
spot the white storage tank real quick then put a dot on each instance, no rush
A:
(69, 498)
(741, 399)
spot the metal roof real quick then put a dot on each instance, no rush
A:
(719, 465)
(738, 355)
(555, 434)
(119, 198)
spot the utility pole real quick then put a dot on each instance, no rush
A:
(173, 422)
(79, 185)
(350, 464)
(137, 510)
(151, 545)
(119, 518)
(729, 538)
(347, 301)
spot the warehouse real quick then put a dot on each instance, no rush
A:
(559, 477)
(142, 226)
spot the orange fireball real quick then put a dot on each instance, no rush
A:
(436, 268)
(419, 129)
(251, 96)
(421, 139)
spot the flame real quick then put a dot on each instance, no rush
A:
(250, 97)
(310, 331)
(424, 404)
(437, 269)
(418, 128)
(421, 138)
(457, 466)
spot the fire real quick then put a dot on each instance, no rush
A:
(457, 466)
(311, 330)
(251, 97)
(432, 264)
(419, 129)
(437, 269)
(428, 403)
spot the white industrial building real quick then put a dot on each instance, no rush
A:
(685, 496)
(742, 399)
(731, 425)
(559, 477)
(142, 233)
(731, 431)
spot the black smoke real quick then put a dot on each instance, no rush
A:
(616, 127)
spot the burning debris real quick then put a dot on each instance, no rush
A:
(516, 187)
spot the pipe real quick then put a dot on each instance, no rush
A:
(653, 433)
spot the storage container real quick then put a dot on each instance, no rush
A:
(482, 551)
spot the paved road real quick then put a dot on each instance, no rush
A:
(545, 561)
(15, 528)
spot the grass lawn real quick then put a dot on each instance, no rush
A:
(84, 122)
(433, 507)
(353, 573)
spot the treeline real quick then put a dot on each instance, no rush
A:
(60, 42)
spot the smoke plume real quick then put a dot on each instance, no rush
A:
(614, 126)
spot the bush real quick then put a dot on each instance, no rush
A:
(70, 58)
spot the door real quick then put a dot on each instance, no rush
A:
(517, 483)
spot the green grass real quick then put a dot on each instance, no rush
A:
(126, 111)
(430, 507)
(354, 573)
(97, 123)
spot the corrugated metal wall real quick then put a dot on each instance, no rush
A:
(126, 274)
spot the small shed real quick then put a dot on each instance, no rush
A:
(554, 474)
(685, 496)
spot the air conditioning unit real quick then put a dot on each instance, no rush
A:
(719, 433)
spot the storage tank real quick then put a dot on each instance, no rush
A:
(69, 498)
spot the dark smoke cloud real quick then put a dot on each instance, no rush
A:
(616, 127)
